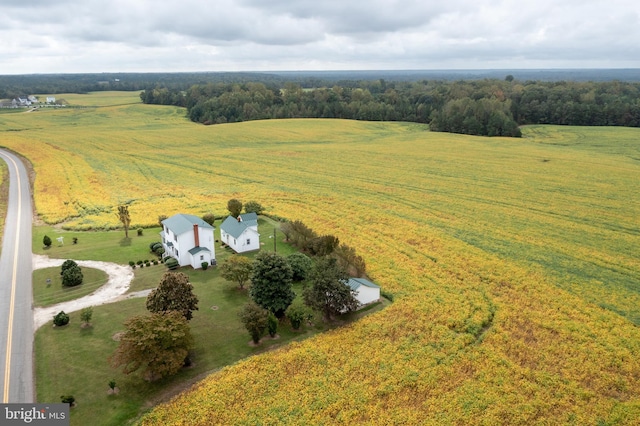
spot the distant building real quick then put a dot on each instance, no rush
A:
(51, 99)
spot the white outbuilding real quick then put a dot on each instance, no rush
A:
(366, 292)
(241, 233)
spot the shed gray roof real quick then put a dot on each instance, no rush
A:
(354, 283)
(235, 228)
(181, 223)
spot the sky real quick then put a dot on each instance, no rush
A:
(87, 36)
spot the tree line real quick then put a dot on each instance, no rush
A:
(488, 107)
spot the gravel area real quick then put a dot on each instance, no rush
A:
(117, 285)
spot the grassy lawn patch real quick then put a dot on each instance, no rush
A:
(108, 246)
(48, 288)
(74, 360)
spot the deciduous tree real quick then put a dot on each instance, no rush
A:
(237, 269)
(300, 265)
(235, 207)
(174, 293)
(255, 320)
(271, 283)
(158, 343)
(328, 292)
(125, 219)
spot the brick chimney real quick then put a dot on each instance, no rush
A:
(196, 237)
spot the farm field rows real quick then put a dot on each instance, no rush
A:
(513, 261)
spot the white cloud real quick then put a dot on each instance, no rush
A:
(119, 35)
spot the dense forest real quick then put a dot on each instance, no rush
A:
(464, 101)
(488, 107)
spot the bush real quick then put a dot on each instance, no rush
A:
(387, 295)
(155, 247)
(153, 244)
(272, 325)
(140, 231)
(68, 264)
(255, 320)
(72, 277)
(46, 241)
(210, 218)
(139, 262)
(61, 319)
(67, 399)
(132, 263)
(172, 263)
(204, 265)
(296, 314)
(86, 314)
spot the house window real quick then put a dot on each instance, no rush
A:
(248, 241)
(175, 238)
(201, 257)
(177, 255)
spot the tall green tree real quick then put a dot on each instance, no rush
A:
(237, 269)
(125, 218)
(328, 292)
(271, 283)
(158, 343)
(174, 293)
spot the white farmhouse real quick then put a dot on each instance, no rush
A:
(241, 234)
(189, 239)
(366, 291)
(51, 99)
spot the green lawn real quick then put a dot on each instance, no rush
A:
(48, 288)
(74, 360)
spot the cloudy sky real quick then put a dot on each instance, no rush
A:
(73, 36)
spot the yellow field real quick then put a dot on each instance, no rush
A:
(513, 261)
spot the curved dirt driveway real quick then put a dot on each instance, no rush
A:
(117, 285)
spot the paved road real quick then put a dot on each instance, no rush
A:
(16, 317)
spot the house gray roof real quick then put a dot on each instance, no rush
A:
(354, 283)
(235, 227)
(197, 250)
(181, 223)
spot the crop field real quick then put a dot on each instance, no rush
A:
(513, 262)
